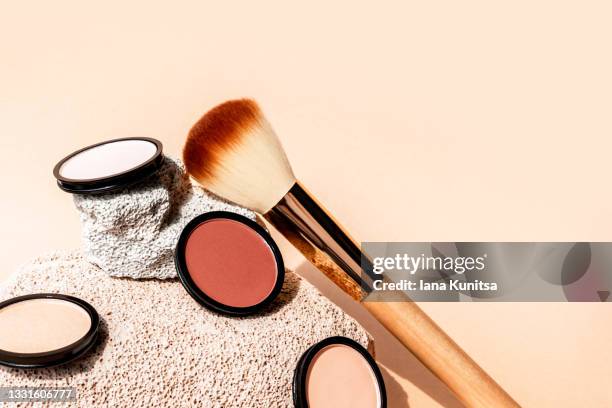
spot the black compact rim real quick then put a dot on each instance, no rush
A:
(116, 181)
(54, 357)
(201, 297)
(301, 370)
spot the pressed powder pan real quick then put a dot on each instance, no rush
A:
(44, 330)
(109, 166)
(229, 263)
(338, 372)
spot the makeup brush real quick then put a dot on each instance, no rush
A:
(233, 152)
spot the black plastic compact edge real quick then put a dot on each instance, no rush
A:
(115, 182)
(54, 357)
(300, 374)
(201, 297)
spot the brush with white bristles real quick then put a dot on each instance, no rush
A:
(233, 152)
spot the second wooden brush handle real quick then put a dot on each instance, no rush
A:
(304, 222)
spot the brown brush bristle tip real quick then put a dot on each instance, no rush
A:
(219, 128)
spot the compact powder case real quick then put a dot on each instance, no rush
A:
(338, 372)
(44, 330)
(109, 166)
(229, 263)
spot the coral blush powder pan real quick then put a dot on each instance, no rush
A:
(229, 263)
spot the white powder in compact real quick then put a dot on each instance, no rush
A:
(133, 233)
(108, 159)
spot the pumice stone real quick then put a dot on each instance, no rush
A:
(133, 232)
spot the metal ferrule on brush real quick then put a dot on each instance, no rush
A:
(310, 228)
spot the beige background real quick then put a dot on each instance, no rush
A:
(470, 120)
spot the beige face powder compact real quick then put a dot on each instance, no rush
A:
(44, 330)
(338, 372)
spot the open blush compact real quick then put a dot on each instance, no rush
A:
(338, 372)
(229, 263)
(44, 330)
(109, 166)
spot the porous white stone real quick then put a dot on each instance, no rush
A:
(160, 348)
(133, 233)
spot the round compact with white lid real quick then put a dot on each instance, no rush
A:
(338, 372)
(46, 329)
(109, 166)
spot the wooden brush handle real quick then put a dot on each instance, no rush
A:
(419, 334)
(304, 222)
(438, 352)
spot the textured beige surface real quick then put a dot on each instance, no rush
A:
(161, 348)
